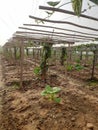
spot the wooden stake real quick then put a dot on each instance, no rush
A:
(21, 63)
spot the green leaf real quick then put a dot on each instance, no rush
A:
(51, 3)
(44, 93)
(56, 89)
(69, 67)
(94, 1)
(51, 90)
(39, 21)
(37, 70)
(48, 88)
(77, 6)
(51, 93)
(79, 67)
(57, 100)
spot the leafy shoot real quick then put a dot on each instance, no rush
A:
(51, 93)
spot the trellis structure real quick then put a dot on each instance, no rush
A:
(38, 36)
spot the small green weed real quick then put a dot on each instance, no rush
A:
(15, 86)
(78, 67)
(69, 67)
(51, 93)
(37, 70)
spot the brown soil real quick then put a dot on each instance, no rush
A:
(1, 95)
(28, 110)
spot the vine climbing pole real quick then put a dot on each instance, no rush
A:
(63, 54)
(15, 51)
(93, 64)
(21, 62)
(68, 56)
(44, 63)
(67, 62)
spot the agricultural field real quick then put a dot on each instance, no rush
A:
(49, 65)
(50, 90)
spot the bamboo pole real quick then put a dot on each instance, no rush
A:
(63, 22)
(53, 27)
(71, 35)
(65, 38)
(67, 12)
(55, 34)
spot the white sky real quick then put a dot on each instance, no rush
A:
(13, 13)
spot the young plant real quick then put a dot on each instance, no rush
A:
(78, 67)
(37, 71)
(51, 93)
(69, 67)
(15, 86)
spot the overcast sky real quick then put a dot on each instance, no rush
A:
(13, 13)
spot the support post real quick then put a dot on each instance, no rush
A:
(21, 63)
(93, 65)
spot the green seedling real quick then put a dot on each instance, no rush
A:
(69, 67)
(37, 70)
(78, 67)
(15, 86)
(51, 93)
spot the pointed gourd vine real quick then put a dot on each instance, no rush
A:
(44, 62)
(77, 6)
